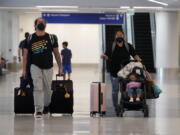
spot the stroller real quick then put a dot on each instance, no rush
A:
(125, 105)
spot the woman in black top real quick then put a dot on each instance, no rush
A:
(118, 56)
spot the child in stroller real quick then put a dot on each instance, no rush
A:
(132, 86)
(133, 94)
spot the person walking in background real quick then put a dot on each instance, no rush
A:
(118, 55)
(38, 51)
(21, 46)
(20, 54)
(66, 60)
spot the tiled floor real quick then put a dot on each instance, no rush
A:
(164, 112)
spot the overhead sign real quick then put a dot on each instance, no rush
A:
(84, 18)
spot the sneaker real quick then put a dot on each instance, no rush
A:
(46, 110)
(38, 115)
(131, 100)
(137, 99)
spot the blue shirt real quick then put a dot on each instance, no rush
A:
(66, 53)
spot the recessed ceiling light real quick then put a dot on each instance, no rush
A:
(59, 10)
(147, 7)
(158, 2)
(121, 11)
(124, 7)
(57, 6)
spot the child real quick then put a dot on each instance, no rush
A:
(66, 60)
(133, 85)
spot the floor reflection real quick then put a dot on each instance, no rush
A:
(164, 116)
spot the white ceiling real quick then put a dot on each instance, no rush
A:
(86, 5)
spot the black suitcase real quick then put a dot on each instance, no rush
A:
(23, 101)
(62, 96)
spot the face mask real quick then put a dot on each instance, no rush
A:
(41, 27)
(119, 40)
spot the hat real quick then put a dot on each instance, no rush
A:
(119, 39)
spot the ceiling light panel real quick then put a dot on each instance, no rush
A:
(158, 2)
(57, 7)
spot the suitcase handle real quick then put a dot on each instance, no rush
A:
(59, 75)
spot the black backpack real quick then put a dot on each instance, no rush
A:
(51, 37)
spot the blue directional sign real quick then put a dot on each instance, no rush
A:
(84, 18)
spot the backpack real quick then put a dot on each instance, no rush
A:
(126, 45)
(51, 37)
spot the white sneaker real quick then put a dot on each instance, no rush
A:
(137, 99)
(131, 100)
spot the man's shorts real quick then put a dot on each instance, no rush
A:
(67, 68)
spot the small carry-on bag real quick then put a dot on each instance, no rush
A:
(62, 96)
(98, 98)
(23, 98)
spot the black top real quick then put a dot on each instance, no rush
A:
(22, 44)
(66, 53)
(119, 57)
(40, 50)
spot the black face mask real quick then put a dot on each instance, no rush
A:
(119, 40)
(40, 27)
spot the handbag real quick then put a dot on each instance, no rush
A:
(152, 90)
(157, 90)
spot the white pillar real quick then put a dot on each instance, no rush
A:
(0, 33)
(15, 34)
(9, 35)
(167, 40)
(129, 29)
(6, 35)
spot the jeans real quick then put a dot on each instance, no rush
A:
(130, 91)
(115, 90)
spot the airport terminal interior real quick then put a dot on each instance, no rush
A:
(151, 26)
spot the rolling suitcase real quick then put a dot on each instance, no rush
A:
(98, 98)
(62, 96)
(23, 98)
